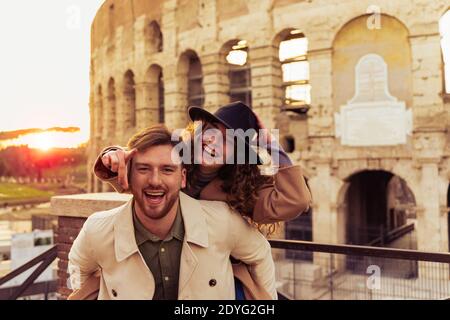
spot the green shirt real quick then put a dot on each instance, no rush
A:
(162, 256)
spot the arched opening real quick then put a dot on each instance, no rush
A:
(444, 27)
(153, 37)
(235, 55)
(129, 100)
(300, 228)
(380, 210)
(293, 56)
(161, 98)
(190, 74)
(196, 93)
(355, 40)
(111, 109)
(155, 92)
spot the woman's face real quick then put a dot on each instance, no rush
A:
(212, 147)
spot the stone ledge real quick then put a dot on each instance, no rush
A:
(83, 205)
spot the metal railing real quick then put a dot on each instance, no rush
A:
(28, 287)
(359, 272)
(395, 234)
(335, 272)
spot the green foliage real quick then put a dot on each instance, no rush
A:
(13, 191)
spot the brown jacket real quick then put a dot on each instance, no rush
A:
(284, 199)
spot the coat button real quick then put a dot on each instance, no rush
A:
(212, 282)
(114, 293)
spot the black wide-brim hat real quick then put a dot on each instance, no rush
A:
(236, 115)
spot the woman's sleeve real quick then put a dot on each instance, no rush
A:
(103, 173)
(284, 199)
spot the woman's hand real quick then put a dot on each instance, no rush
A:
(117, 162)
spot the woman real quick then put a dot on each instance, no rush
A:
(264, 200)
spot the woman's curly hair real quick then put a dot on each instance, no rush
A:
(241, 183)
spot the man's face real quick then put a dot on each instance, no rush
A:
(155, 181)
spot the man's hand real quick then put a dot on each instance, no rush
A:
(117, 161)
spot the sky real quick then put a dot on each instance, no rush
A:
(44, 63)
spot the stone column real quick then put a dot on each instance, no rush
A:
(175, 96)
(328, 219)
(429, 143)
(215, 81)
(110, 122)
(321, 114)
(429, 216)
(267, 94)
(147, 102)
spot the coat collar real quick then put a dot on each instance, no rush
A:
(196, 229)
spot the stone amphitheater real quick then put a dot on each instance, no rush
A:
(356, 88)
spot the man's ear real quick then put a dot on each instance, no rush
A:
(183, 178)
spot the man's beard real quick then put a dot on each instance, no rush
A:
(156, 213)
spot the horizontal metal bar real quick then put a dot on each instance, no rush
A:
(35, 288)
(31, 278)
(51, 253)
(297, 245)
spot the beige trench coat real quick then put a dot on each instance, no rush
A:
(213, 232)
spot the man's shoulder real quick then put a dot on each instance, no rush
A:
(220, 211)
(215, 206)
(103, 220)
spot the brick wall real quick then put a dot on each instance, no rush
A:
(68, 229)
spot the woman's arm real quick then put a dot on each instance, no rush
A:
(111, 166)
(283, 199)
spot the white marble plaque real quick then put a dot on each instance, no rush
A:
(373, 117)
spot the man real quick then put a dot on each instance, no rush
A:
(163, 244)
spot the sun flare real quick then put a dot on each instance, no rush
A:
(48, 140)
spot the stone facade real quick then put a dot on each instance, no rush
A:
(138, 44)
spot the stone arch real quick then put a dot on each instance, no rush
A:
(404, 170)
(153, 37)
(292, 47)
(190, 79)
(345, 21)
(155, 92)
(129, 100)
(238, 74)
(388, 181)
(111, 114)
(354, 40)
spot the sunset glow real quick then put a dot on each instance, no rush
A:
(48, 140)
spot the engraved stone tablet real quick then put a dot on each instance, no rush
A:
(373, 117)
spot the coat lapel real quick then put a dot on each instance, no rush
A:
(196, 233)
(124, 239)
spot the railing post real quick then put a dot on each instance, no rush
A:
(331, 276)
